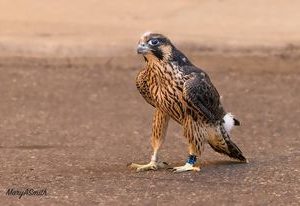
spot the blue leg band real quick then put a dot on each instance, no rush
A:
(192, 159)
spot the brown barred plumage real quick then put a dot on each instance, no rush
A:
(179, 90)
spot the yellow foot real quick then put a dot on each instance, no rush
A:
(150, 166)
(185, 168)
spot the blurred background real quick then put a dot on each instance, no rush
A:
(71, 117)
(98, 28)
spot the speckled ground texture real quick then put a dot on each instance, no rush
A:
(72, 125)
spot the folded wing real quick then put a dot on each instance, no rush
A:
(202, 97)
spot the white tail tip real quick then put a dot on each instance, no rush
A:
(228, 122)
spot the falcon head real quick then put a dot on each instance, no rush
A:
(154, 46)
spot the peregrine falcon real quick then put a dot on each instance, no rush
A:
(179, 90)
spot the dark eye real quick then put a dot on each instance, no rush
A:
(153, 42)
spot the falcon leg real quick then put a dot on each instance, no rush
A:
(154, 164)
(192, 132)
(189, 165)
(159, 129)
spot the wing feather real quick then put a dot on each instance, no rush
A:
(202, 97)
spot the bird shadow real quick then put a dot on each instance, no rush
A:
(217, 163)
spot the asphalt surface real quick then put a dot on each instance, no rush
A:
(72, 125)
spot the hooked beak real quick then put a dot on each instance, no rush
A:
(143, 49)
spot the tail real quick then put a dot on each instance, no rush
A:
(221, 141)
(234, 151)
(229, 148)
(230, 122)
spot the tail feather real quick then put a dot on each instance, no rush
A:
(234, 151)
(231, 150)
(236, 122)
(222, 143)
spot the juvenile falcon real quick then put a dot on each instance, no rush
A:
(179, 90)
